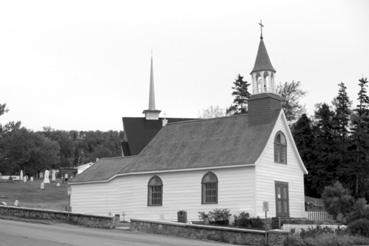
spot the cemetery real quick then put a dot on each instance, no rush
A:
(27, 192)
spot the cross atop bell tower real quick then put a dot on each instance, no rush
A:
(261, 29)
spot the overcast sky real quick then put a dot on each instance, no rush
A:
(84, 64)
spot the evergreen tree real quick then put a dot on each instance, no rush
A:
(341, 119)
(241, 94)
(303, 135)
(325, 150)
(360, 136)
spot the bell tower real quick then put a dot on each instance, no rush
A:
(264, 102)
(263, 72)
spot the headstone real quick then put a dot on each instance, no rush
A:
(66, 177)
(42, 186)
(21, 175)
(31, 179)
(25, 179)
(16, 203)
(58, 184)
(46, 177)
(53, 175)
(41, 175)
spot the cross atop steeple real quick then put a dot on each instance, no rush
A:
(261, 29)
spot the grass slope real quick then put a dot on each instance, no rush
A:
(30, 195)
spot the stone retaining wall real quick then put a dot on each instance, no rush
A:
(74, 218)
(216, 233)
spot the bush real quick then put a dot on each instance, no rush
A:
(326, 239)
(360, 210)
(338, 201)
(216, 217)
(243, 220)
(360, 227)
(293, 240)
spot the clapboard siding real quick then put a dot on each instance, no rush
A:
(267, 172)
(181, 191)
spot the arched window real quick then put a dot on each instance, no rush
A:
(155, 192)
(209, 191)
(280, 148)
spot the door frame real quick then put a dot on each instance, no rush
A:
(281, 184)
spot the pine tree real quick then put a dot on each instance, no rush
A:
(303, 135)
(325, 150)
(241, 94)
(341, 119)
(360, 135)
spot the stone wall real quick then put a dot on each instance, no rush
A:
(74, 218)
(216, 233)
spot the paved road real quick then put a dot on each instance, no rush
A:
(15, 233)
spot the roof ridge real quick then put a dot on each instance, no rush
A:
(117, 157)
(209, 119)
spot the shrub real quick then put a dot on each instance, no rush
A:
(293, 240)
(316, 231)
(360, 210)
(338, 201)
(360, 227)
(217, 216)
(326, 239)
(243, 220)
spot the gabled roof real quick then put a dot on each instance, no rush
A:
(262, 62)
(138, 131)
(205, 143)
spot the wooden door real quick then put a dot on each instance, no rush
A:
(282, 199)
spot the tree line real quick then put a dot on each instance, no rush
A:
(333, 142)
(32, 152)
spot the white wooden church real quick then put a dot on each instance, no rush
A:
(238, 162)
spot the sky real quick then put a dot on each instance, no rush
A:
(83, 65)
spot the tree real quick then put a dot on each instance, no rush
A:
(26, 150)
(326, 159)
(292, 93)
(304, 137)
(213, 112)
(360, 135)
(241, 95)
(338, 201)
(341, 119)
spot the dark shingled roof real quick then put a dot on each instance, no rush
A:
(139, 131)
(262, 62)
(201, 143)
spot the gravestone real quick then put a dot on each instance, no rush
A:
(16, 203)
(53, 175)
(58, 184)
(42, 186)
(41, 175)
(25, 179)
(31, 179)
(21, 175)
(46, 177)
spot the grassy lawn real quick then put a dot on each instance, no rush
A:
(30, 195)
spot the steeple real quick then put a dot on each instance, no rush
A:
(264, 102)
(263, 72)
(151, 113)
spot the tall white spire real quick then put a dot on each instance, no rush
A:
(152, 87)
(151, 113)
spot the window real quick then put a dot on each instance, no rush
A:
(155, 192)
(280, 148)
(209, 188)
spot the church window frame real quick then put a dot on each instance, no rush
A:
(280, 148)
(155, 191)
(209, 188)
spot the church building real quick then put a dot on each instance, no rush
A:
(244, 163)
